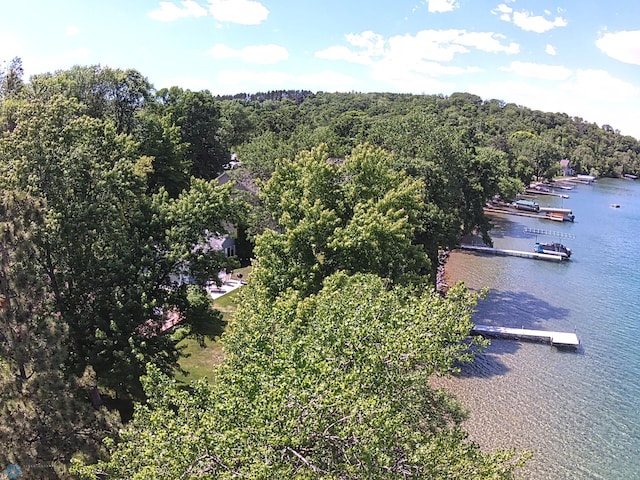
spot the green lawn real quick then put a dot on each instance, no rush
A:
(201, 360)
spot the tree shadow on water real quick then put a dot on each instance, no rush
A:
(487, 363)
(514, 309)
(511, 227)
(517, 309)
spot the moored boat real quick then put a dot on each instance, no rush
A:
(553, 248)
(528, 205)
(560, 216)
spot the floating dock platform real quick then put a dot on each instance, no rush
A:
(513, 253)
(557, 339)
(533, 191)
(543, 215)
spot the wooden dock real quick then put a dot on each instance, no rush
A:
(513, 253)
(532, 191)
(557, 339)
(506, 211)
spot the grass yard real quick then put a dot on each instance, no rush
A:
(201, 360)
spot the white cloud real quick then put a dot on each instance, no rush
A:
(328, 81)
(373, 43)
(72, 30)
(414, 63)
(191, 83)
(409, 82)
(435, 45)
(437, 6)
(260, 54)
(504, 11)
(169, 11)
(487, 42)
(623, 46)
(550, 50)
(9, 47)
(601, 85)
(245, 12)
(538, 70)
(426, 45)
(536, 23)
(527, 20)
(344, 53)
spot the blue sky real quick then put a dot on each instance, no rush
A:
(578, 57)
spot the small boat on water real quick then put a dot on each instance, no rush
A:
(553, 248)
(615, 205)
(560, 217)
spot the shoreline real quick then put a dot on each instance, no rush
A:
(489, 422)
(576, 413)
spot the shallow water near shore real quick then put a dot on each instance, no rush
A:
(578, 411)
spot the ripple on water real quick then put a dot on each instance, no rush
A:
(579, 412)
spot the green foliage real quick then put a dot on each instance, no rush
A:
(357, 215)
(355, 118)
(44, 417)
(160, 140)
(107, 206)
(198, 116)
(106, 93)
(259, 155)
(11, 82)
(332, 386)
(111, 253)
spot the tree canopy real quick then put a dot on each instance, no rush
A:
(110, 200)
(356, 215)
(334, 385)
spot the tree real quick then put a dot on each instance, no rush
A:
(44, 416)
(237, 124)
(331, 386)
(112, 254)
(11, 82)
(198, 116)
(259, 155)
(458, 178)
(105, 92)
(358, 215)
(161, 142)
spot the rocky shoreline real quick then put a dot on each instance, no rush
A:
(441, 282)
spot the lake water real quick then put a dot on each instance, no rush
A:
(579, 412)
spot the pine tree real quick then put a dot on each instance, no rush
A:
(45, 416)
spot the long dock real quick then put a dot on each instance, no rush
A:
(511, 212)
(505, 211)
(557, 339)
(513, 253)
(532, 191)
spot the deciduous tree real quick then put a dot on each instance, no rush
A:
(112, 254)
(357, 215)
(331, 386)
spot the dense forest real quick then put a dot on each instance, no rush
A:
(110, 195)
